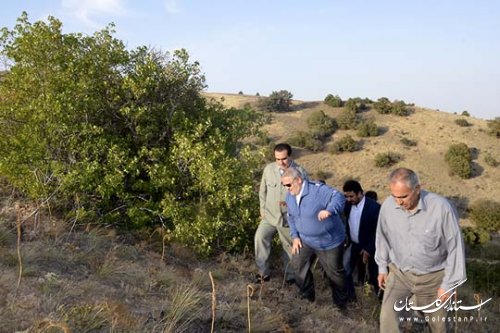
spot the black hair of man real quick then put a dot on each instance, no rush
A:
(352, 186)
(372, 195)
(282, 147)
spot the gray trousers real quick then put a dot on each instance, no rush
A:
(399, 286)
(263, 241)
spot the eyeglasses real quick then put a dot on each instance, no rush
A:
(288, 185)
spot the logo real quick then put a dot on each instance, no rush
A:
(449, 303)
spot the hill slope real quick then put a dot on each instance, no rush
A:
(433, 130)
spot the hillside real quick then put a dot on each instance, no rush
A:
(433, 130)
(56, 277)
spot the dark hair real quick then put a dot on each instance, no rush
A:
(372, 195)
(352, 186)
(282, 147)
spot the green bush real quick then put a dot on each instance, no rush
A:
(490, 160)
(407, 142)
(387, 159)
(278, 101)
(475, 236)
(465, 113)
(399, 108)
(459, 160)
(462, 122)
(345, 144)
(125, 136)
(352, 105)
(383, 105)
(348, 119)
(321, 125)
(306, 140)
(494, 127)
(368, 128)
(333, 101)
(486, 214)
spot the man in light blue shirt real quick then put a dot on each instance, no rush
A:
(419, 251)
(316, 228)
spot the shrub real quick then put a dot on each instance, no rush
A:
(387, 159)
(459, 160)
(383, 105)
(399, 108)
(306, 140)
(368, 128)
(486, 214)
(408, 142)
(345, 144)
(333, 101)
(321, 125)
(465, 113)
(278, 101)
(361, 103)
(351, 105)
(348, 119)
(462, 122)
(475, 236)
(494, 127)
(490, 160)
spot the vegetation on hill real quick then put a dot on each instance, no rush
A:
(277, 101)
(124, 137)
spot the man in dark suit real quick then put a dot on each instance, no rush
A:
(361, 225)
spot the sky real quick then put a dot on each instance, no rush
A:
(442, 55)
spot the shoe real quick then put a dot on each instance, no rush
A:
(259, 278)
(290, 281)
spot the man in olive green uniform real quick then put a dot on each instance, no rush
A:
(273, 213)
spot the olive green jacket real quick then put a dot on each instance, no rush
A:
(272, 194)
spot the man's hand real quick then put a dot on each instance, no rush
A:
(323, 215)
(442, 295)
(365, 255)
(382, 278)
(296, 246)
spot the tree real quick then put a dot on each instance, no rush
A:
(124, 137)
(278, 101)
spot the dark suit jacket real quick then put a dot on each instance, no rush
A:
(367, 225)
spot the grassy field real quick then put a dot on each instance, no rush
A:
(56, 278)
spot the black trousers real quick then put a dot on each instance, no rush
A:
(331, 261)
(353, 258)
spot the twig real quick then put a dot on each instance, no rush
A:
(250, 291)
(19, 257)
(214, 304)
